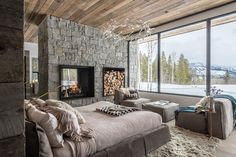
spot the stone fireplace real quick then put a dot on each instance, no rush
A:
(76, 81)
(64, 42)
(113, 78)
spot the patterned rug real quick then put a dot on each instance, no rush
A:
(185, 143)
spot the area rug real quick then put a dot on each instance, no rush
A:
(185, 143)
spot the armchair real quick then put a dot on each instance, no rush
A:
(222, 122)
(121, 99)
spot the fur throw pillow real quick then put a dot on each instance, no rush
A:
(203, 102)
(67, 121)
(61, 104)
(49, 123)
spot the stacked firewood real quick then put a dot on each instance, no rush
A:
(113, 79)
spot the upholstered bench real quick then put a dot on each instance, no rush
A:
(166, 111)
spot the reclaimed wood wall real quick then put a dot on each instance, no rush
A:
(11, 78)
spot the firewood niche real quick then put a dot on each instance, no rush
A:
(113, 78)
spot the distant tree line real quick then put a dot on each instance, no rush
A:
(172, 71)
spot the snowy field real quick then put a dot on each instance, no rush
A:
(198, 90)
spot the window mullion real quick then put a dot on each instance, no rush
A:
(158, 63)
(208, 58)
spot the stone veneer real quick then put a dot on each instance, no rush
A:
(133, 64)
(63, 42)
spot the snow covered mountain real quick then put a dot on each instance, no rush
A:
(216, 71)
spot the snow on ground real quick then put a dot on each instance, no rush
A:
(198, 90)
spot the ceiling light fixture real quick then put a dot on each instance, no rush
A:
(117, 30)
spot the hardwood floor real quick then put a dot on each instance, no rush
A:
(227, 148)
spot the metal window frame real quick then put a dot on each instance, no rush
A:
(208, 54)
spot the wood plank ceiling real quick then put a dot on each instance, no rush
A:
(98, 13)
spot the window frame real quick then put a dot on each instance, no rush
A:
(208, 55)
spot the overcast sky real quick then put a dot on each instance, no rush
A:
(193, 45)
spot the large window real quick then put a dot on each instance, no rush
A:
(223, 54)
(192, 58)
(147, 67)
(183, 60)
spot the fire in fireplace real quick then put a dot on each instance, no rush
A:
(76, 81)
(113, 78)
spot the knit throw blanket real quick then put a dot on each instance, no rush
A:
(117, 110)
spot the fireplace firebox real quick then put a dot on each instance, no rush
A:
(113, 78)
(76, 81)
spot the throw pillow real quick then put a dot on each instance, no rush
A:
(125, 90)
(49, 123)
(203, 102)
(67, 120)
(131, 96)
(133, 91)
(61, 104)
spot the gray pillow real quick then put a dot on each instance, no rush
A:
(44, 146)
(37, 143)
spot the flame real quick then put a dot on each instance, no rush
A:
(74, 87)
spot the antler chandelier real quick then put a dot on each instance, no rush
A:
(137, 29)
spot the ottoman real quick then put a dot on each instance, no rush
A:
(166, 111)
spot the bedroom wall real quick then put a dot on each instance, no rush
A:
(11, 79)
(69, 43)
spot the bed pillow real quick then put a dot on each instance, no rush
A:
(67, 121)
(34, 114)
(61, 104)
(44, 145)
(49, 123)
(37, 143)
(37, 102)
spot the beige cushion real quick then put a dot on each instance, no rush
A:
(37, 102)
(61, 104)
(34, 114)
(67, 121)
(49, 123)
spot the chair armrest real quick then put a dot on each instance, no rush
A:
(118, 97)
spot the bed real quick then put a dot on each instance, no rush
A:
(132, 135)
